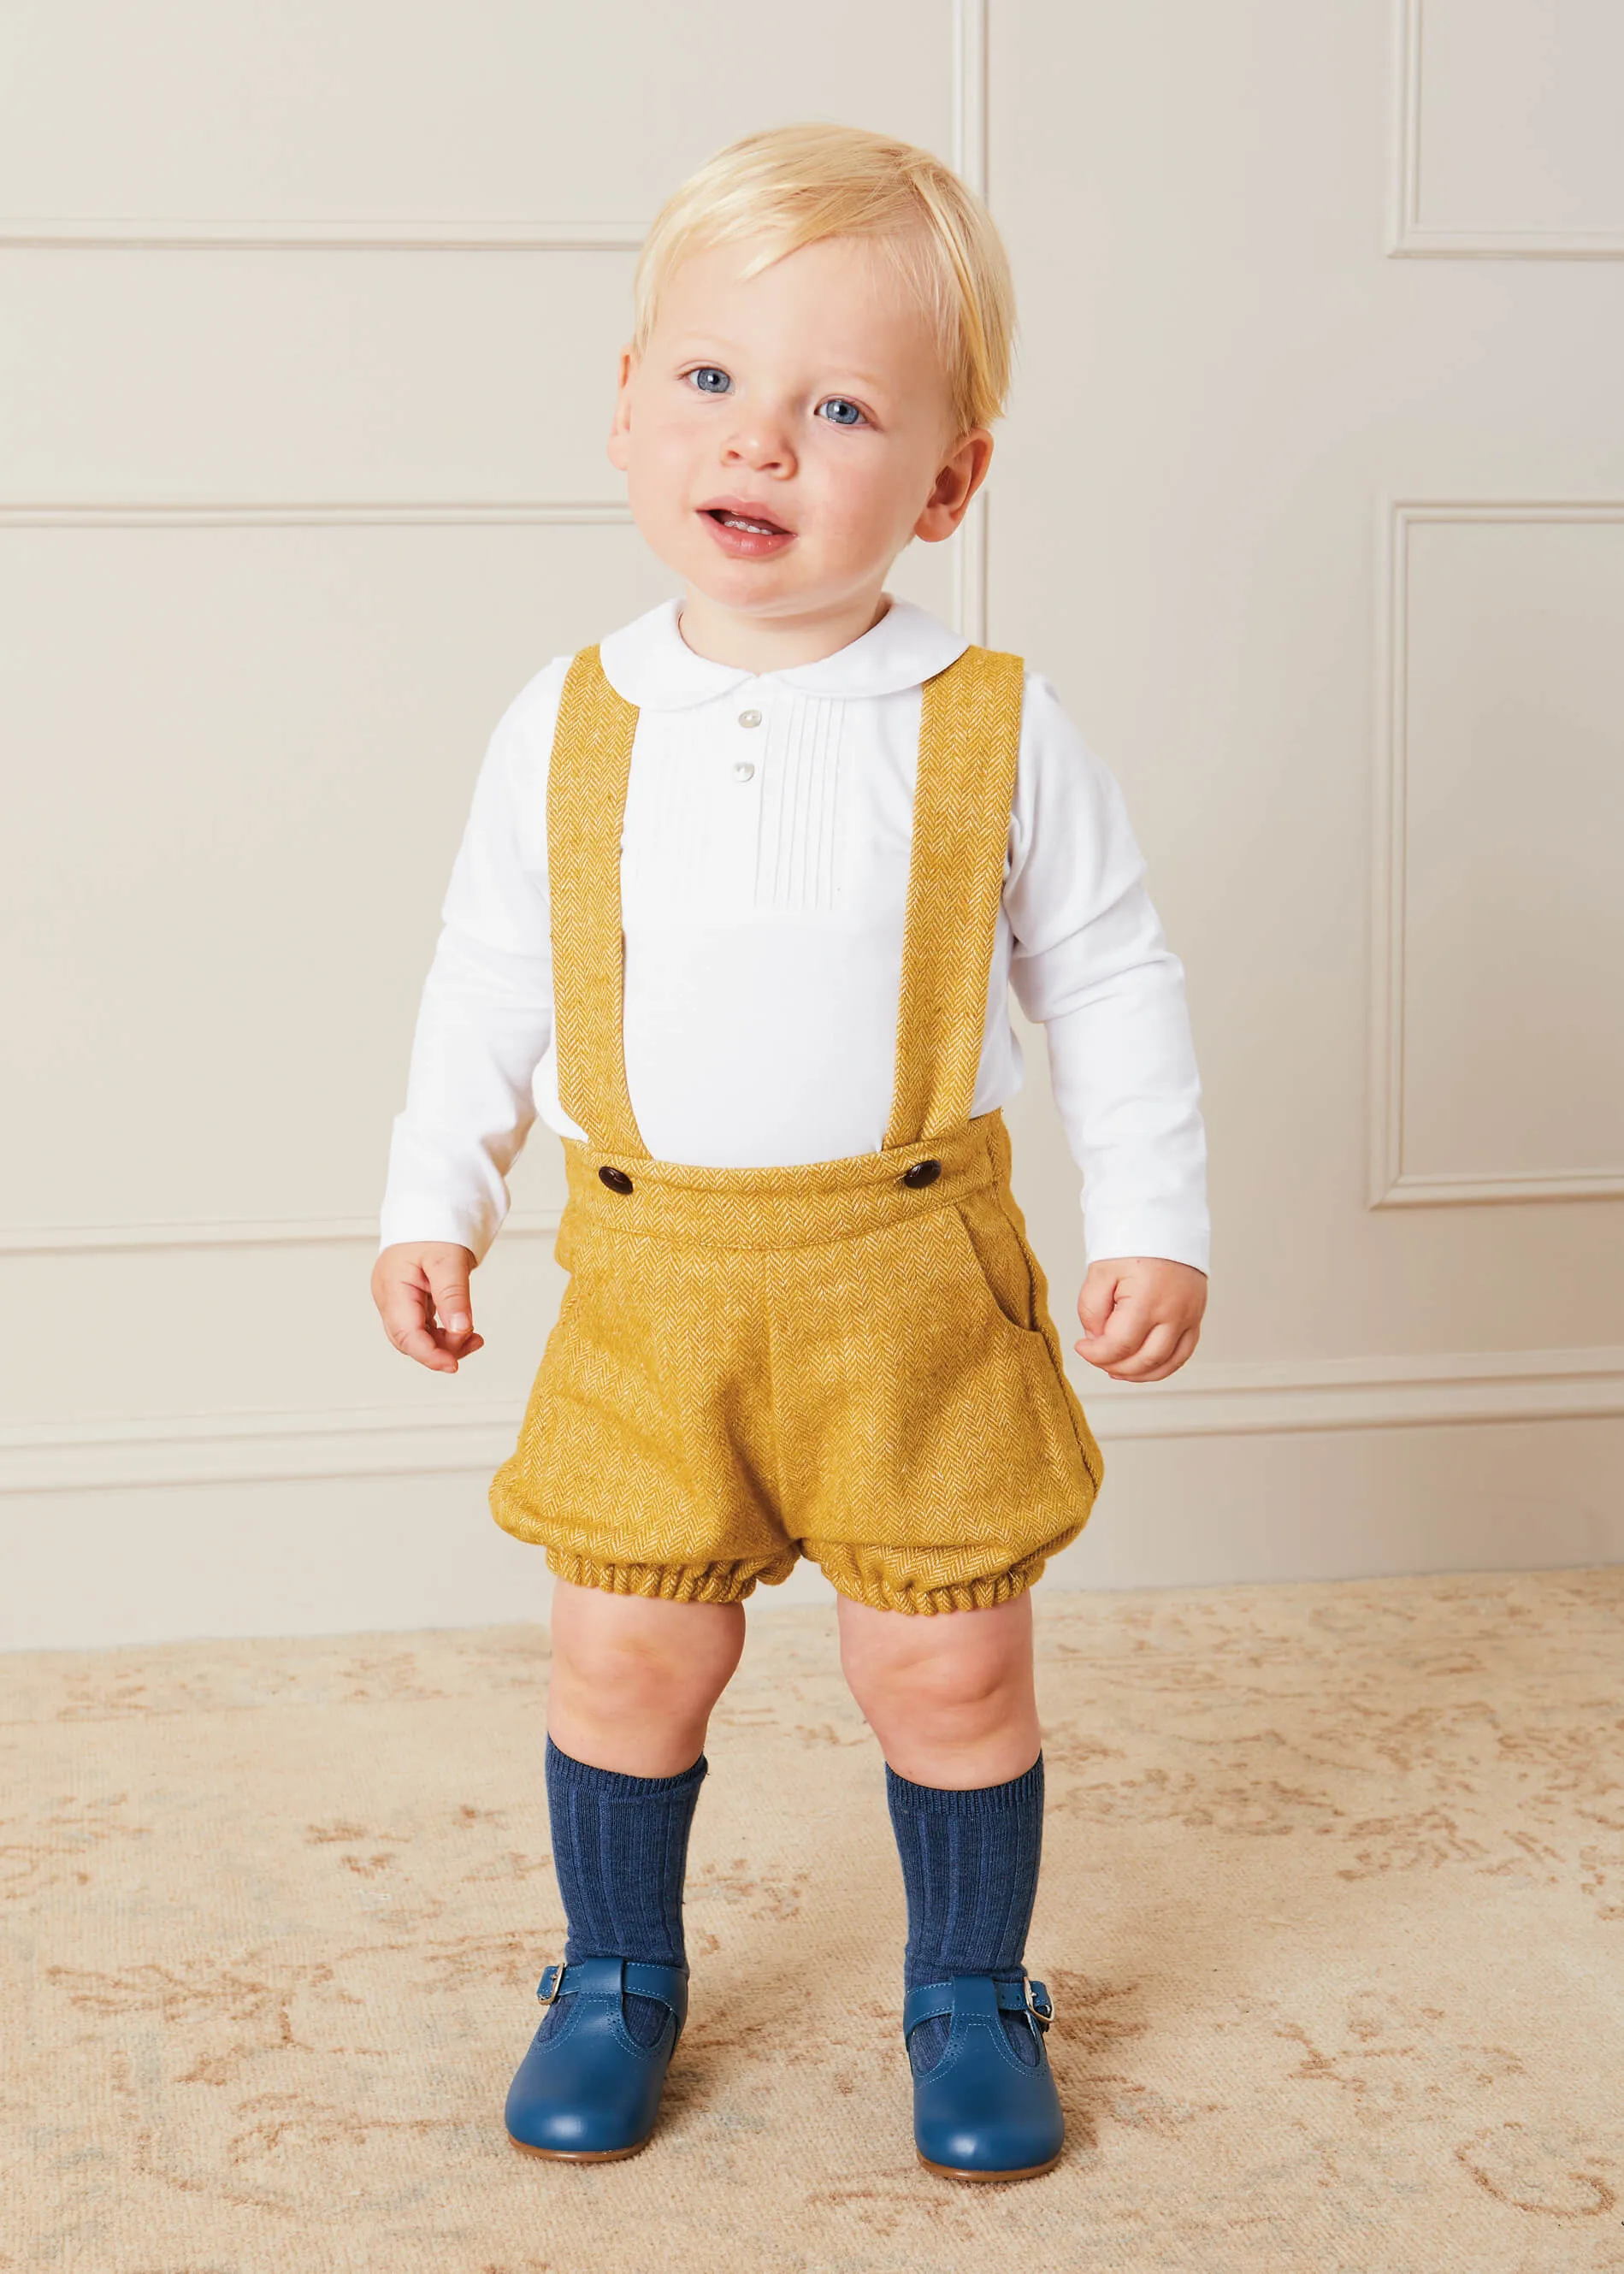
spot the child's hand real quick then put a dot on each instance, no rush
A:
(421, 1290)
(1141, 1315)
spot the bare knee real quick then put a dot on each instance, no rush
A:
(634, 1679)
(950, 1698)
(928, 1685)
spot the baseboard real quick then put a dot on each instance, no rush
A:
(1261, 1398)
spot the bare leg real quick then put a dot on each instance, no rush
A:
(950, 1697)
(634, 1679)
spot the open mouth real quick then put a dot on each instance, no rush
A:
(742, 535)
(755, 526)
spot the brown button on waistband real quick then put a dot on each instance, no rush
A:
(923, 1172)
(616, 1179)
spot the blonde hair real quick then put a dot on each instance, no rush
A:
(796, 185)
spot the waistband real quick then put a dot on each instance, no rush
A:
(794, 1206)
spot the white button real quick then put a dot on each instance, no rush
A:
(743, 771)
(749, 718)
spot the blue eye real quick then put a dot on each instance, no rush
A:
(710, 379)
(840, 412)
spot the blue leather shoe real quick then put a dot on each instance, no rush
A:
(589, 2091)
(980, 2113)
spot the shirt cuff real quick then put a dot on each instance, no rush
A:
(1173, 1235)
(423, 1220)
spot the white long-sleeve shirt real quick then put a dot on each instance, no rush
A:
(763, 879)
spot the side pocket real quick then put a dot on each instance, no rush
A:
(1000, 1256)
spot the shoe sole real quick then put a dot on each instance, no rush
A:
(581, 2155)
(953, 2172)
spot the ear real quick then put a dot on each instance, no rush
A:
(955, 486)
(621, 426)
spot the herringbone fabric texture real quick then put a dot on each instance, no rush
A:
(970, 725)
(751, 1364)
(586, 782)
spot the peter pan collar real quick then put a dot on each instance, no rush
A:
(648, 663)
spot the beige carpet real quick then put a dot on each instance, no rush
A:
(1333, 1908)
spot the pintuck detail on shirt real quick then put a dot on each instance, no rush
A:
(779, 849)
(798, 861)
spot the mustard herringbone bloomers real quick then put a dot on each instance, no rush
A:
(751, 1364)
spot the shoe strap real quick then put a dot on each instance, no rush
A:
(966, 1992)
(609, 1977)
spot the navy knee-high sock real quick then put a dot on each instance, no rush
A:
(620, 1848)
(970, 1869)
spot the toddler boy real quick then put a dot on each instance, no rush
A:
(739, 906)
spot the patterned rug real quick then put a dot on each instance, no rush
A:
(1332, 1909)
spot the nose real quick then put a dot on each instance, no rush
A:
(761, 442)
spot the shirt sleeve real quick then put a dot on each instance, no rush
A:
(485, 1018)
(1090, 963)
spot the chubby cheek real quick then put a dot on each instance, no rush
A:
(657, 481)
(858, 518)
(663, 476)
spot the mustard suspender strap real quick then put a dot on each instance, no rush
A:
(586, 776)
(969, 740)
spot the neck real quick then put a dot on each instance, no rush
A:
(778, 643)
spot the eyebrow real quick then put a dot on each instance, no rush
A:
(691, 342)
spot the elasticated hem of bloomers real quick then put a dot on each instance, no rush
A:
(842, 1570)
(702, 1583)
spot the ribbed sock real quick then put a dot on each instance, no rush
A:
(970, 1870)
(620, 1848)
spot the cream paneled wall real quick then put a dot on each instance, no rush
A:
(1498, 961)
(1509, 129)
(215, 122)
(307, 320)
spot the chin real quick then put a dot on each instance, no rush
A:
(746, 586)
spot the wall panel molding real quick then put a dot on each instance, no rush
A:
(1389, 1185)
(107, 235)
(1408, 237)
(106, 1238)
(351, 234)
(189, 513)
(969, 160)
(270, 1231)
(455, 1437)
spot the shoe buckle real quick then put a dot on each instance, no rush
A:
(551, 1983)
(1039, 2005)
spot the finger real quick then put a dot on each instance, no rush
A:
(1186, 1344)
(1154, 1352)
(1129, 1323)
(1097, 1300)
(447, 1278)
(404, 1310)
(1158, 1345)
